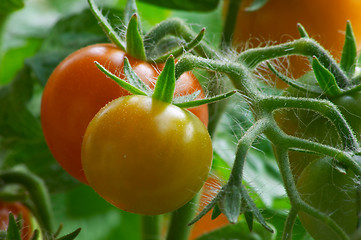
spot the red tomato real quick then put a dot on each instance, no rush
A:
(17, 209)
(206, 224)
(277, 21)
(77, 90)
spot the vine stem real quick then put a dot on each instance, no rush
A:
(151, 227)
(295, 198)
(40, 201)
(179, 228)
(304, 46)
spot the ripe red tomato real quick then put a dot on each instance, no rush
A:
(17, 209)
(206, 224)
(277, 21)
(331, 192)
(146, 156)
(77, 90)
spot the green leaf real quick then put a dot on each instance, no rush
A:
(71, 236)
(164, 88)
(349, 52)
(129, 11)
(325, 79)
(183, 102)
(135, 46)
(134, 79)
(188, 5)
(302, 31)
(256, 5)
(249, 219)
(13, 232)
(7, 6)
(216, 212)
(231, 202)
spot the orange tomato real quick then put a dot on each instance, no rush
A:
(276, 22)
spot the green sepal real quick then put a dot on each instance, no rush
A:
(325, 79)
(216, 212)
(107, 28)
(231, 201)
(129, 11)
(256, 5)
(182, 49)
(127, 86)
(13, 232)
(133, 78)
(35, 235)
(71, 236)
(165, 85)
(135, 46)
(302, 31)
(349, 52)
(249, 219)
(296, 84)
(195, 103)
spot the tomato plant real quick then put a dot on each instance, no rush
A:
(207, 224)
(311, 125)
(332, 192)
(17, 209)
(146, 156)
(77, 89)
(276, 22)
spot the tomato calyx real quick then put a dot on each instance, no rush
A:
(136, 45)
(164, 87)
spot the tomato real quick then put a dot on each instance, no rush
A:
(146, 156)
(277, 21)
(206, 224)
(331, 192)
(77, 89)
(17, 209)
(311, 125)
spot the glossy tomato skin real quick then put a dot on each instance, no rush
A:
(146, 156)
(276, 22)
(77, 90)
(331, 192)
(16, 209)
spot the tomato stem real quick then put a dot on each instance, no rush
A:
(290, 222)
(151, 227)
(230, 22)
(179, 228)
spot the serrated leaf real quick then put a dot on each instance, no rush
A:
(164, 88)
(349, 52)
(325, 79)
(256, 5)
(71, 236)
(135, 45)
(134, 79)
(13, 232)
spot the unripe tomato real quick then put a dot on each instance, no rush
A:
(277, 21)
(77, 89)
(16, 209)
(331, 192)
(146, 156)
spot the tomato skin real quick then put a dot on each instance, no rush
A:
(17, 209)
(77, 90)
(277, 21)
(331, 192)
(146, 156)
